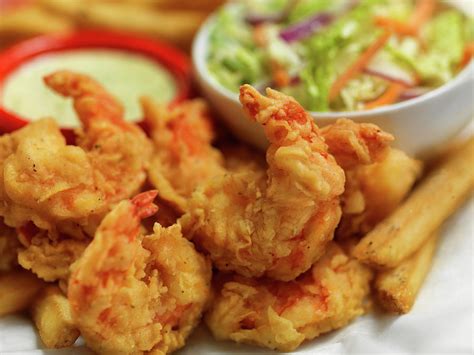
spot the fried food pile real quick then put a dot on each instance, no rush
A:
(129, 239)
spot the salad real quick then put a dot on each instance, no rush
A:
(340, 55)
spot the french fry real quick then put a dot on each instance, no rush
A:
(434, 200)
(64, 7)
(205, 5)
(51, 314)
(176, 26)
(17, 290)
(169, 20)
(69, 7)
(31, 21)
(396, 289)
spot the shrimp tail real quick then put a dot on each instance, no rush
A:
(91, 100)
(184, 128)
(282, 117)
(143, 204)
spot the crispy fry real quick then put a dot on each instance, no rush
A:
(51, 313)
(396, 289)
(17, 290)
(401, 234)
(205, 5)
(31, 21)
(68, 7)
(176, 26)
(170, 20)
(281, 315)
(64, 7)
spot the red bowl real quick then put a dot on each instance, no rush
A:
(172, 59)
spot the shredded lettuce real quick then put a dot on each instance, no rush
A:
(234, 59)
(404, 51)
(317, 79)
(305, 8)
(330, 52)
(444, 36)
(264, 6)
(469, 30)
(280, 51)
(318, 60)
(394, 9)
(360, 90)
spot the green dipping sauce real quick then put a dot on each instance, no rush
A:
(126, 75)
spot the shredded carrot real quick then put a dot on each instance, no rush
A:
(279, 75)
(467, 55)
(423, 12)
(358, 65)
(388, 97)
(396, 26)
(260, 35)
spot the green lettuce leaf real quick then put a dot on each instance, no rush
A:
(444, 36)
(233, 58)
(332, 50)
(469, 30)
(305, 8)
(265, 6)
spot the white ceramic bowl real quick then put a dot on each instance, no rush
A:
(420, 125)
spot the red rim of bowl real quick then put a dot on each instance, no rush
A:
(172, 59)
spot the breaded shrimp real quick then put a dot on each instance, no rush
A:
(281, 315)
(274, 223)
(50, 259)
(378, 177)
(40, 180)
(134, 294)
(118, 151)
(61, 187)
(63, 190)
(183, 155)
(46, 181)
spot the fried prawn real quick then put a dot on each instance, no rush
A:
(132, 293)
(183, 156)
(277, 222)
(281, 315)
(56, 194)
